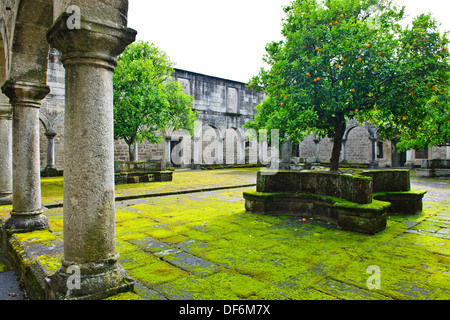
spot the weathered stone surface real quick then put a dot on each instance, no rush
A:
(350, 187)
(89, 57)
(6, 188)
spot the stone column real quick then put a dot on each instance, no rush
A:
(50, 150)
(409, 162)
(167, 151)
(240, 154)
(27, 209)
(374, 163)
(219, 148)
(89, 58)
(6, 188)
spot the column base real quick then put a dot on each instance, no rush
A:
(22, 222)
(5, 199)
(90, 286)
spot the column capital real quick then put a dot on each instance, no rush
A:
(6, 111)
(50, 134)
(25, 93)
(98, 43)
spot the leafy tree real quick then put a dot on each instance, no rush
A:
(350, 59)
(146, 99)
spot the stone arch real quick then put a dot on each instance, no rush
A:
(212, 144)
(358, 145)
(29, 46)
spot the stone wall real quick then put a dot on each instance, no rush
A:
(221, 104)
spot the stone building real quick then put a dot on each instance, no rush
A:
(89, 34)
(223, 107)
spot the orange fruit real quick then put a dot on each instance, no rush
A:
(308, 74)
(304, 220)
(318, 78)
(415, 44)
(337, 66)
(356, 110)
(433, 88)
(353, 90)
(282, 104)
(359, 59)
(415, 84)
(342, 15)
(379, 53)
(331, 23)
(344, 60)
(285, 97)
(424, 40)
(404, 118)
(359, 72)
(336, 22)
(367, 45)
(317, 49)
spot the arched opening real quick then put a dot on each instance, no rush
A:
(212, 145)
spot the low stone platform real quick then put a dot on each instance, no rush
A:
(140, 172)
(434, 168)
(347, 200)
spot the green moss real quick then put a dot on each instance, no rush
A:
(375, 206)
(125, 296)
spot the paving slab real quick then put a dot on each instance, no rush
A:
(204, 246)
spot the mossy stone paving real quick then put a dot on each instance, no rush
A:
(205, 246)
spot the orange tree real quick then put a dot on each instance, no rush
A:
(350, 59)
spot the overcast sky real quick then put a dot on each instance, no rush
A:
(226, 38)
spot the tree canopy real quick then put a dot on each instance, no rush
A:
(147, 100)
(351, 59)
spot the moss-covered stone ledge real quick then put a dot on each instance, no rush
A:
(394, 186)
(354, 188)
(141, 171)
(348, 200)
(346, 215)
(34, 256)
(142, 177)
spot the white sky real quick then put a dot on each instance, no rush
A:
(226, 38)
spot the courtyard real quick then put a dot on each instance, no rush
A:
(191, 239)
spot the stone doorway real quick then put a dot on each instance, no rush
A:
(398, 157)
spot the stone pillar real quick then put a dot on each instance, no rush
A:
(6, 188)
(448, 152)
(27, 209)
(240, 154)
(89, 58)
(167, 152)
(50, 150)
(219, 148)
(409, 162)
(374, 163)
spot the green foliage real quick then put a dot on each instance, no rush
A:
(350, 59)
(146, 99)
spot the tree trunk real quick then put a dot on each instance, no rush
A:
(337, 145)
(133, 152)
